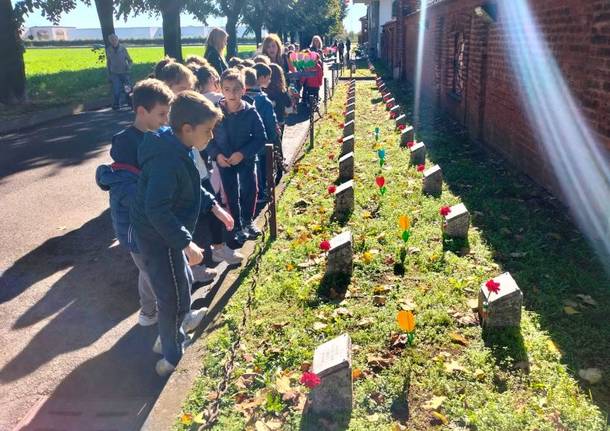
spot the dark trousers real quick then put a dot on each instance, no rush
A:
(241, 188)
(261, 174)
(209, 229)
(171, 279)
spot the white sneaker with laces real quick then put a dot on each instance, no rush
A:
(203, 274)
(227, 254)
(193, 318)
(164, 368)
(146, 319)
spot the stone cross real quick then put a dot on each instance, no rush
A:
(457, 222)
(332, 362)
(401, 119)
(501, 309)
(433, 181)
(344, 200)
(350, 115)
(407, 135)
(347, 146)
(346, 167)
(418, 154)
(340, 257)
(349, 128)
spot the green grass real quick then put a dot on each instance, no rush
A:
(509, 380)
(59, 76)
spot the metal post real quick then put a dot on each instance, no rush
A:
(325, 94)
(332, 79)
(270, 156)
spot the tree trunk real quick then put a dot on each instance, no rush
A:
(105, 12)
(232, 31)
(172, 38)
(258, 34)
(12, 68)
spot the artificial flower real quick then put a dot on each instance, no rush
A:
(445, 211)
(325, 245)
(404, 222)
(421, 167)
(380, 181)
(492, 286)
(309, 379)
(332, 189)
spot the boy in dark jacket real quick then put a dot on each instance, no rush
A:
(151, 100)
(238, 138)
(165, 212)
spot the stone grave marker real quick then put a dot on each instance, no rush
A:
(349, 128)
(396, 110)
(501, 309)
(407, 135)
(350, 115)
(401, 119)
(340, 257)
(457, 222)
(346, 167)
(418, 154)
(391, 102)
(332, 362)
(351, 101)
(433, 181)
(350, 107)
(344, 200)
(347, 146)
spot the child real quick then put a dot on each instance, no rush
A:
(118, 63)
(248, 63)
(277, 91)
(195, 60)
(208, 83)
(165, 212)
(177, 76)
(238, 138)
(257, 79)
(234, 61)
(151, 99)
(311, 85)
(262, 58)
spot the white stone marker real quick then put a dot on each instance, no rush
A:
(433, 181)
(346, 167)
(501, 309)
(344, 200)
(407, 135)
(457, 222)
(396, 109)
(340, 257)
(349, 128)
(401, 119)
(418, 154)
(347, 146)
(350, 115)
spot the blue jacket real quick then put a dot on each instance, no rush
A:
(122, 184)
(241, 131)
(264, 107)
(168, 199)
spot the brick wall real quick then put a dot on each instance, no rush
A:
(488, 103)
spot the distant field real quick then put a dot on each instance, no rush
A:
(63, 75)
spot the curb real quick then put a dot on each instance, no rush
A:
(37, 118)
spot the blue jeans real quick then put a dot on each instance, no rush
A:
(119, 81)
(240, 186)
(171, 279)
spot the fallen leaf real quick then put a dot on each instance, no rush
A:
(553, 347)
(282, 385)
(570, 303)
(458, 338)
(356, 373)
(473, 304)
(570, 310)
(381, 290)
(591, 375)
(518, 254)
(398, 427)
(212, 396)
(408, 304)
(186, 419)
(379, 300)
(441, 417)
(274, 424)
(454, 366)
(318, 326)
(341, 311)
(435, 403)
(377, 363)
(479, 374)
(260, 426)
(466, 319)
(365, 321)
(587, 299)
(373, 418)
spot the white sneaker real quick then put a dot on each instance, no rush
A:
(193, 318)
(164, 368)
(159, 350)
(146, 319)
(203, 274)
(227, 254)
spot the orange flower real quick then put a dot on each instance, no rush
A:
(406, 320)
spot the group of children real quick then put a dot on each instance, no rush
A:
(185, 181)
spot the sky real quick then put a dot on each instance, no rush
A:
(86, 17)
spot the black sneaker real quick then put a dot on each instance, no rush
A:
(252, 231)
(241, 237)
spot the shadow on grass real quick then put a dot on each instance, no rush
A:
(531, 235)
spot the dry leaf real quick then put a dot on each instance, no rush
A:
(274, 424)
(587, 299)
(356, 373)
(473, 304)
(479, 374)
(379, 300)
(365, 321)
(454, 366)
(377, 363)
(408, 305)
(282, 385)
(318, 326)
(341, 311)
(553, 347)
(441, 417)
(260, 426)
(570, 310)
(396, 426)
(458, 338)
(434, 403)
(373, 418)
(570, 303)
(591, 375)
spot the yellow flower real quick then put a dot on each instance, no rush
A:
(186, 419)
(367, 257)
(289, 267)
(404, 222)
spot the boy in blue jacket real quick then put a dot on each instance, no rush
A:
(165, 211)
(151, 99)
(238, 138)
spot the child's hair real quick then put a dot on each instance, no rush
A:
(250, 77)
(234, 61)
(278, 80)
(190, 107)
(214, 38)
(197, 60)
(248, 63)
(233, 74)
(272, 38)
(204, 74)
(240, 66)
(150, 92)
(262, 58)
(262, 70)
(174, 73)
(160, 65)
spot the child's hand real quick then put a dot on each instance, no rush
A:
(193, 253)
(224, 217)
(222, 161)
(236, 158)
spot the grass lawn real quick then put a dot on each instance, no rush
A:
(455, 376)
(57, 76)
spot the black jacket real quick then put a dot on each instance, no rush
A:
(216, 60)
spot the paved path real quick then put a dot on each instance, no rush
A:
(73, 354)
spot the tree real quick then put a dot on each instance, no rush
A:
(12, 68)
(232, 9)
(105, 14)
(255, 13)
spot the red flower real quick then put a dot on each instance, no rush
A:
(410, 144)
(401, 127)
(393, 115)
(325, 245)
(332, 189)
(390, 105)
(421, 168)
(331, 156)
(311, 380)
(340, 140)
(492, 286)
(445, 211)
(341, 125)
(380, 181)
